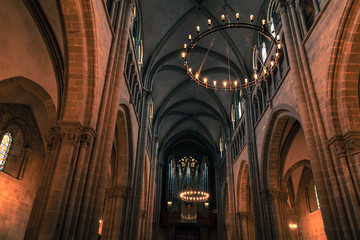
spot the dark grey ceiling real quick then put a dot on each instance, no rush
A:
(184, 111)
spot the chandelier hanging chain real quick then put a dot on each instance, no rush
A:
(236, 84)
(207, 53)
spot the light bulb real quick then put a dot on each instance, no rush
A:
(190, 37)
(246, 80)
(223, 18)
(183, 54)
(235, 83)
(279, 45)
(198, 29)
(215, 83)
(251, 18)
(185, 46)
(224, 83)
(209, 22)
(263, 21)
(237, 16)
(205, 80)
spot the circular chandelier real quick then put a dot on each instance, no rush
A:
(194, 196)
(236, 84)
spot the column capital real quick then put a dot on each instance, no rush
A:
(276, 194)
(352, 141)
(242, 215)
(118, 191)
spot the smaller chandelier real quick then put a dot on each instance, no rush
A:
(231, 84)
(194, 196)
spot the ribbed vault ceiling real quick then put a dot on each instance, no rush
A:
(184, 111)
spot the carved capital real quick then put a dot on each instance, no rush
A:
(339, 147)
(131, 4)
(282, 8)
(143, 213)
(242, 215)
(86, 139)
(70, 135)
(279, 195)
(54, 138)
(353, 145)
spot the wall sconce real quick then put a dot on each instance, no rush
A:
(169, 203)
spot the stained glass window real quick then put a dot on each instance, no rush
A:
(4, 148)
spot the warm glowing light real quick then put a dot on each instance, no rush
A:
(198, 29)
(251, 18)
(197, 75)
(169, 203)
(255, 76)
(246, 80)
(293, 226)
(279, 45)
(237, 16)
(206, 204)
(190, 70)
(278, 37)
(272, 63)
(235, 83)
(224, 83)
(183, 54)
(276, 55)
(209, 22)
(263, 22)
(265, 71)
(215, 83)
(185, 46)
(205, 80)
(223, 18)
(100, 226)
(190, 37)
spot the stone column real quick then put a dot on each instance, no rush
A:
(151, 199)
(115, 200)
(52, 220)
(300, 10)
(243, 218)
(139, 169)
(231, 190)
(277, 199)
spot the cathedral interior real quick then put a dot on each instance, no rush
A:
(187, 119)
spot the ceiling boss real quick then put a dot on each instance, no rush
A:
(231, 84)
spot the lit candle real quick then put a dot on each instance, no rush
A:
(235, 83)
(190, 37)
(190, 70)
(183, 54)
(224, 83)
(185, 46)
(246, 80)
(198, 29)
(215, 83)
(237, 16)
(223, 18)
(251, 18)
(209, 22)
(205, 80)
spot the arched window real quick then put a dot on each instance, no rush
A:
(263, 52)
(4, 149)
